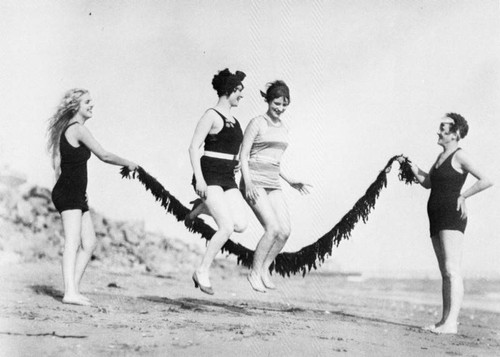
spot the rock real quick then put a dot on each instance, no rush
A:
(11, 178)
(39, 205)
(40, 192)
(30, 228)
(4, 211)
(103, 249)
(100, 224)
(8, 257)
(8, 201)
(25, 213)
(117, 235)
(153, 238)
(39, 224)
(134, 232)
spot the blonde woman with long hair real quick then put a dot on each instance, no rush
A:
(70, 144)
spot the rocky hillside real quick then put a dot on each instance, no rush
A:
(31, 228)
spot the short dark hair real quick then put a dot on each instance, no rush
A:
(459, 126)
(276, 89)
(225, 82)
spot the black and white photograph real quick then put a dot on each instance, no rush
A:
(249, 178)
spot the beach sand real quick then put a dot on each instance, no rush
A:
(319, 315)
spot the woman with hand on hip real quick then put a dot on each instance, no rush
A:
(214, 157)
(70, 144)
(448, 214)
(264, 143)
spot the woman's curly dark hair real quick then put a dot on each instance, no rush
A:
(459, 126)
(276, 89)
(226, 82)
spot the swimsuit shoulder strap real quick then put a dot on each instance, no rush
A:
(222, 116)
(66, 128)
(449, 158)
(454, 152)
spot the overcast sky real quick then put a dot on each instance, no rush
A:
(368, 79)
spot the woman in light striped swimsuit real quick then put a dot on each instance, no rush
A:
(264, 143)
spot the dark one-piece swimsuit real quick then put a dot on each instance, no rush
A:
(70, 189)
(216, 171)
(446, 184)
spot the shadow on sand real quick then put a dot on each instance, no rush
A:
(47, 290)
(197, 304)
(253, 308)
(242, 308)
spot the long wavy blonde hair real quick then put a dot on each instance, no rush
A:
(68, 107)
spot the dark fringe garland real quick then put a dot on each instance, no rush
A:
(307, 258)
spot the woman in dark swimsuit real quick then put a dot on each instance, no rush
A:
(214, 153)
(70, 144)
(447, 213)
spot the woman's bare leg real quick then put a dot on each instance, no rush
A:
(221, 212)
(238, 208)
(453, 286)
(280, 208)
(89, 242)
(438, 250)
(265, 213)
(72, 223)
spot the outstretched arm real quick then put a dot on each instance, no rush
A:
(302, 187)
(83, 135)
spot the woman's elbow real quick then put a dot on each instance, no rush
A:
(105, 157)
(192, 151)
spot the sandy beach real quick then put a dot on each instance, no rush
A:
(145, 302)
(319, 315)
(368, 80)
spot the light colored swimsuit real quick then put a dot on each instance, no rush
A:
(266, 153)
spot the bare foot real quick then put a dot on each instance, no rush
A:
(431, 327)
(256, 282)
(266, 280)
(448, 328)
(428, 327)
(83, 297)
(75, 300)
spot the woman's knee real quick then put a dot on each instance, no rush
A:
(226, 228)
(273, 230)
(89, 244)
(279, 231)
(72, 241)
(240, 225)
(283, 234)
(451, 272)
(89, 240)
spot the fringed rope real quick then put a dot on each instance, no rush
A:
(303, 260)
